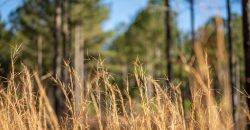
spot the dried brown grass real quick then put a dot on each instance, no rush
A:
(24, 103)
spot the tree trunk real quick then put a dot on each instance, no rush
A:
(168, 40)
(124, 74)
(40, 54)
(158, 55)
(246, 34)
(57, 53)
(66, 41)
(57, 60)
(79, 68)
(192, 20)
(240, 121)
(230, 51)
(149, 85)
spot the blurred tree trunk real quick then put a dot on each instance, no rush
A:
(40, 54)
(149, 85)
(66, 40)
(57, 43)
(246, 34)
(158, 55)
(230, 52)
(124, 74)
(168, 40)
(192, 13)
(79, 67)
(57, 60)
(150, 72)
(240, 121)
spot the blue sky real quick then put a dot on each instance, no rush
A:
(204, 9)
(6, 6)
(123, 11)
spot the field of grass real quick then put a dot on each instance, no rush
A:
(24, 103)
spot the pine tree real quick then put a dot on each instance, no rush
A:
(192, 20)
(86, 17)
(246, 33)
(168, 40)
(230, 52)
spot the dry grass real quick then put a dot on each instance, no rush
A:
(24, 103)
